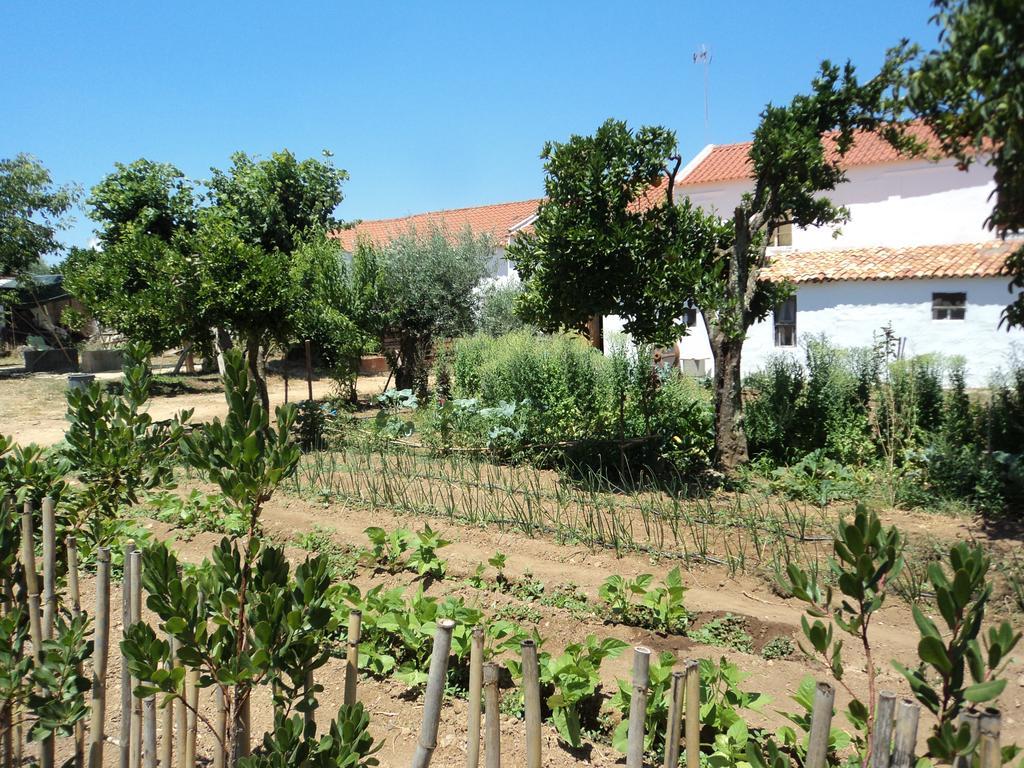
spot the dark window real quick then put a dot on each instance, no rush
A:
(690, 315)
(949, 306)
(783, 234)
(785, 323)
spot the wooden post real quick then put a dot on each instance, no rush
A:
(28, 550)
(692, 670)
(149, 732)
(476, 672)
(638, 707)
(49, 566)
(972, 720)
(675, 716)
(821, 725)
(881, 739)
(492, 725)
(125, 745)
(135, 597)
(180, 714)
(220, 723)
(531, 699)
(192, 697)
(905, 738)
(76, 610)
(101, 651)
(167, 714)
(355, 619)
(434, 693)
(989, 752)
(309, 370)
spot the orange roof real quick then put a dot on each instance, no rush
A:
(731, 162)
(495, 220)
(881, 263)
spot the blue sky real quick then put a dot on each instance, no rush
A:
(427, 105)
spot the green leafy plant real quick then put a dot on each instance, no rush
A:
(637, 603)
(341, 560)
(570, 681)
(423, 557)
(868, 557)
(728, 631)
(778, 648)
(795, 739)
(961, 595)
(196, 513)
(388, 549)
(658, 700)
(346, 744)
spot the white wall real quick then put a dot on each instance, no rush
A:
(892, 204)
(851, 312)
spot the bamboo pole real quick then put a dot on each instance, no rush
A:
(180, 714)
(355, 619)
(492, 725)
(989, 752)
(675, 716)
(905, 738)
(192, 697)
(221, 724)
(972, 720)
(28, 553)
(531, 698)
(167, 714)
(434, 693)
(821, 725)
(638, 707)
(149, 732)
(49, 566)
(476, 670)
(692, 670)
(881, 739)
(135, 604)
(124, 745)
(76, 610)
(101, 651)
(7, 732)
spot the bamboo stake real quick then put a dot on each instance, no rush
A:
(881, 740)
(49, 567)
(192, 697)
(149, 732)
(124, 745)
(28, 551)
(638, 707)
(180, 716)
(531, 698)
(434, 693)
(476, 670)
(355, 619)
(821, 725)
(76, 610)
(905, 739)
(972, 720)
(135, 597)
(692, 670)
(492, 725)
(989, 753)
(221, 724)
(675, 715)
(101, 651)
(167, 714)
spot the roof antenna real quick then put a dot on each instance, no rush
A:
(703, 56)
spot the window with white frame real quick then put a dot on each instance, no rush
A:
(949, 306)
(785, 323)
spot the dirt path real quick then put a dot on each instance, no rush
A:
(32, 407)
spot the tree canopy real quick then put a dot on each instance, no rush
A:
(970, 91)
(32, 211)
(610, 239)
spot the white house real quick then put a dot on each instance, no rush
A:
(914, 256)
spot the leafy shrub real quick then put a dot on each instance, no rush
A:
(496, 314)
(636, 603)
(402, 549)
(196, 513)
(778, 648)
(819, 479)
(728, 631)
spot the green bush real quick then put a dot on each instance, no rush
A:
(496, 314)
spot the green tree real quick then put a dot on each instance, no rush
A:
(970, 91)
(608, 242)
(418, 288)
(32, 210)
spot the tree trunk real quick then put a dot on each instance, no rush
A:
(221, 343)
(405, 370)
(730, 437)
(595, 332)
(257, 363)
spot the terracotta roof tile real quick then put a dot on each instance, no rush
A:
(496, 220)
(731, 162)
(881, 263)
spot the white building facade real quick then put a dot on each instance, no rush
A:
(915, 256)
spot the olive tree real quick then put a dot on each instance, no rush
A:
(417, 288)
(610, 238)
